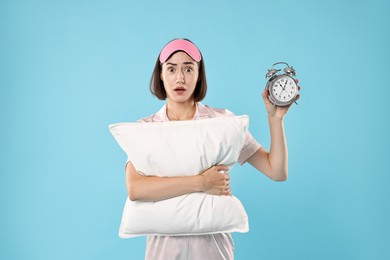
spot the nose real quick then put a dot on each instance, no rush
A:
(180, 77)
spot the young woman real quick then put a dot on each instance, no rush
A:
(179, 78)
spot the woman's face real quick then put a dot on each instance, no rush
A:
(180, 74)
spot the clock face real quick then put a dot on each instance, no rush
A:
(284, 89)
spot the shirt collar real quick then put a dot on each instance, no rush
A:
(202, 111)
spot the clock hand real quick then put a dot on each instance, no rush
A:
(282, 92)
(285, 85)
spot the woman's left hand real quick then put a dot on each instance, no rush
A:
(277, 111)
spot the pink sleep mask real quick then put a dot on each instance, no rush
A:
(180, 45)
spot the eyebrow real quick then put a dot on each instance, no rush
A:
(185, 63)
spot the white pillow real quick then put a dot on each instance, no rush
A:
(182, 148)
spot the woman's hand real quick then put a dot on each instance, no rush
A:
(277, 111)
(216, 182)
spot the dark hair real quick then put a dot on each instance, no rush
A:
(157, 85)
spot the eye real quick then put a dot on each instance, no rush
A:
(188, 69)
(171, 69)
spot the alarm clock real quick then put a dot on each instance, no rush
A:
(282, 87)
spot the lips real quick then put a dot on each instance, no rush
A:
(179, 90)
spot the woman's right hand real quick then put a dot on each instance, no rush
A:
(216, 182)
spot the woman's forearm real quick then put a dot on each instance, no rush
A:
(278, 155)
(152, 188)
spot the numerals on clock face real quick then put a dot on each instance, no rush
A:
(284, 89)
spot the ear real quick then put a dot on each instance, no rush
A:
(161, 77)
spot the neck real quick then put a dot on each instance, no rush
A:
(181, 111)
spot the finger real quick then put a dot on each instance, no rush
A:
(226, 192)
(222, 167)
(265, 94)
(226, 187)
(223, 172)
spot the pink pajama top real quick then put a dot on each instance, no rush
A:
(214, 246)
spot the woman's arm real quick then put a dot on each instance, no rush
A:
(274, 163)
(152, 188)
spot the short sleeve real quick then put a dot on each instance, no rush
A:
(249, 148)
(250, 145)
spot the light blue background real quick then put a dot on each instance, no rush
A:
(70, 68)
